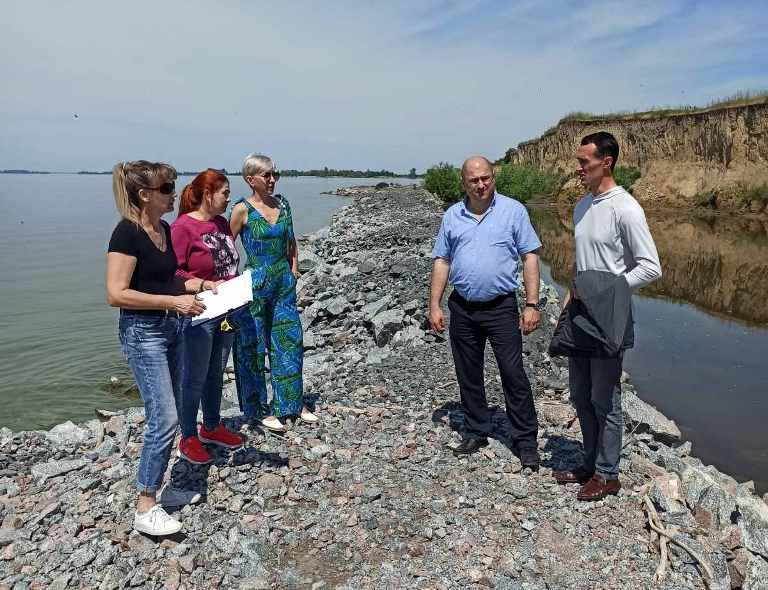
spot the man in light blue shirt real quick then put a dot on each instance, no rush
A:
(480, 245)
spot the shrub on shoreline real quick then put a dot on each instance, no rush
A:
(444, 181)
(522, 182)
(626, 176)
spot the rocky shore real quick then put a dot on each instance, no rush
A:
(372, 497)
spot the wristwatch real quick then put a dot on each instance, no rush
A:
(537, 306)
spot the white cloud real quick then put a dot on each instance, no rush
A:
(338, 84)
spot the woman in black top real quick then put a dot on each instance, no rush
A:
(154, 309)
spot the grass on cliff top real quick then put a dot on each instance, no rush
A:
(739, 99)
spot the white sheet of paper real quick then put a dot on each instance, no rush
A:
(230, 295)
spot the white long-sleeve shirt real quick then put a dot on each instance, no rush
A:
(612, 235)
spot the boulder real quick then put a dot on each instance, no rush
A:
(67, 434)
(409, 335)
(642, 417)
(337, 306)
(372, 309)
(386, 324)
(707, 493)
(756, 577)
(753, 523)
(44, 471)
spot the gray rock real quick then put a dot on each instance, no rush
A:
(705, 489)
(44, 471)
(7, 536)
(82, 557)
(68, 434)
(320, 451)
(643, 417)
(6, 435)
(372, 309)
(337, 306)
(757, 574)
(60, 582)
(270, 481)
(310, 340)
(386, 324)
(378, 355)
(753, 524)
(309, 315)
(409, 335)
(366, 267)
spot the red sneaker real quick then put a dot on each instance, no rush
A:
(193, 451)
(221, 436)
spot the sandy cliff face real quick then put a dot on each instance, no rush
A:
(685, 159)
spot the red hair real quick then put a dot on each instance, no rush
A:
(192, 196)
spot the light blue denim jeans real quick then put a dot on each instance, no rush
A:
(207, 350)
(154, 347)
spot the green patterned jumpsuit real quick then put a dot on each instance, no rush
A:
(272, 317)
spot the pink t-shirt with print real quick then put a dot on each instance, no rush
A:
(204, 249)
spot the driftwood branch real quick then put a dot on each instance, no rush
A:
(665, 536)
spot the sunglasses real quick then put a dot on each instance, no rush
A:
(166, 188)
(273, 173)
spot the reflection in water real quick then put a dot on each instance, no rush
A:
(719, 264)
(696, 364)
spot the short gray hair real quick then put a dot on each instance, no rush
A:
(255, 163)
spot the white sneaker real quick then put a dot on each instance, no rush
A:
(155, 522)
(170, 496)
(272, 423)
(308, 417)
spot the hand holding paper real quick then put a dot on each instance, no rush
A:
(229, 295)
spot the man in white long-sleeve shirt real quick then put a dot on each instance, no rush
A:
(612, 235)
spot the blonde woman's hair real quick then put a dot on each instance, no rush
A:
(129, 177)
(255, 163)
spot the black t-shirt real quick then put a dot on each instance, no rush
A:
(155, 270)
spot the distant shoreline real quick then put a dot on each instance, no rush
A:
(285, 173)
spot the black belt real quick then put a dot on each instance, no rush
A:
(491, 303)
(159, 313)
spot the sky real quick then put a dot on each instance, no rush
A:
(383, 85)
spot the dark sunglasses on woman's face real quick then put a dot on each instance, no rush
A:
(273, 173)
(166, 188)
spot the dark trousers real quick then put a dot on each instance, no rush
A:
(498, 321)
(596, 394)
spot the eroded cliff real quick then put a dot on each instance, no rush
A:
(716, 158)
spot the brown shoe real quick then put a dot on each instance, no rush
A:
(598, 488)
(578, 475)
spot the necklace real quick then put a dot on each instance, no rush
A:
(157, 237)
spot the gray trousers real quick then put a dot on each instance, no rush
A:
(596, 394)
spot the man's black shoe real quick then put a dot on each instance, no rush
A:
(529, 458)
(470, 445)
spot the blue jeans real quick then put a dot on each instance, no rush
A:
(207, 350)
(154, 348)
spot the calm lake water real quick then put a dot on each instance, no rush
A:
(58, 337)
(701, 344)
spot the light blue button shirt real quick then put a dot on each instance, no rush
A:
(485, 254)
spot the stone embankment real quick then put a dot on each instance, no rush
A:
(711, 157)
(372, 497)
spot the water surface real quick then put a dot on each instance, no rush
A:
(58, 337)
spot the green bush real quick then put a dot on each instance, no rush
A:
(444, 181)
(753, 193)
(626, 176)
(524, 182)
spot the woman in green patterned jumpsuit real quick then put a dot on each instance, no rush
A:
(263, 222)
